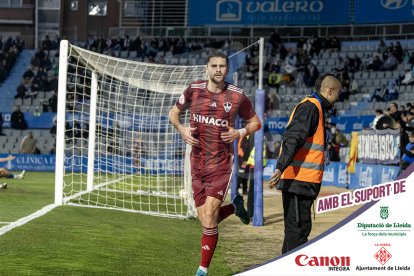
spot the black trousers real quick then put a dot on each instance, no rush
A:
(297, 219)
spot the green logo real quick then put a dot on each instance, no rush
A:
(384, 212)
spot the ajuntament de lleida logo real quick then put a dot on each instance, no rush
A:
(384, 212)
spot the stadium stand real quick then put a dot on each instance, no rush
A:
(291, 61)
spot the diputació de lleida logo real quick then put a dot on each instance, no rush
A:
(384, 212)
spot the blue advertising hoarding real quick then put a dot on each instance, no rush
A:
(366, 175)
(335, 174)
(79, 164)
(259, 12)
(383, 11)
(346, 124)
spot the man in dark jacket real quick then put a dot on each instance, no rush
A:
(301, 162)
(17, 120)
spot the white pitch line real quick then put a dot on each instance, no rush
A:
(26, 219)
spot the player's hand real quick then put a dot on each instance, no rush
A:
(274, 179)
(187, 135)
(230, 135)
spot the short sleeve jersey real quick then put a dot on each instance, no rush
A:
(212, 114)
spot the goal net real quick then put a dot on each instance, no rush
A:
(115, 146)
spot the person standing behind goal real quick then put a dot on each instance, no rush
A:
(300, 166)
(214, 105)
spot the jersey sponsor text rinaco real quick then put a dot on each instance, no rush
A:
(212, 113)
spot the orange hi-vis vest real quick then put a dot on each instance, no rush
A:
(308, 162)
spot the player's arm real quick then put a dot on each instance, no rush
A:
(185, 132)
(252, 125)
(8, 158)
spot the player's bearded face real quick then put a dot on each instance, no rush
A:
(217, 69)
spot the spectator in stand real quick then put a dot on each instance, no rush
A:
(392, 93)
(317, 46)
(20, 91)
(344, 96)
(380, 93)
(398, 51)
(17, 120)
(300, 45)
(29, 74)
(390, 63)
(53, 129)
(90, 43)
(354, 87)
(328, 43)
(47, 44)
(409, 119)
(411, 59)
(53, 82)
(378, 114)
(408, 154)
(394, 112)
(274, 80)
(336, 44)
(53, 101)
(310, 74)
(125, 45)
(340, 139)
(28, 145)
(403, 110)
(31, 88)
(56, 42)
(45, 63)
(100, 45)
(291, 63)
(407, 79)
(43, 83)
(375, 64)
(353, 64)
(275, 40)
(333, 153)
(382, 47)
(1, 125)
(38, 56)
(339, 65)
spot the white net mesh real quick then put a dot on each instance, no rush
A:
(138, 156)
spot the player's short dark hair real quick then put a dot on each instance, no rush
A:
(320, 79)
(218, 54)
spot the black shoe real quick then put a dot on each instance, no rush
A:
(240, 210)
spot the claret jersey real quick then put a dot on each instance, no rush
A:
(212, 113)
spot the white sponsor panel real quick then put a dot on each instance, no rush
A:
(375, 240)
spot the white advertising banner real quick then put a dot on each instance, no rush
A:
(375, 240)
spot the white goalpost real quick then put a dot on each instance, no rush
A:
(115, 147)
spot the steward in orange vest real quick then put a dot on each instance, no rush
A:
(300, 166)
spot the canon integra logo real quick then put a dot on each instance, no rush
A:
(304, 260)
(277, 6)
(210, 120)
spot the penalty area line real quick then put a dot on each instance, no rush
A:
(26, 219)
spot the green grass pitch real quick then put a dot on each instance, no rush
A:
(73, 240)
